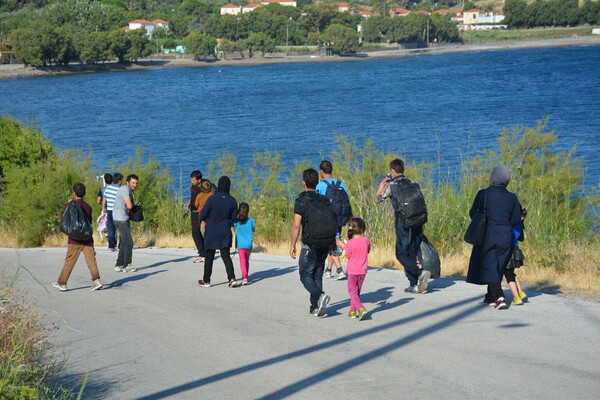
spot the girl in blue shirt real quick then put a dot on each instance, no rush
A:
(244, 234)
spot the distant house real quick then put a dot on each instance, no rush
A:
(147, 25)
(231, 9)
(365, 14)
(399, 12)
(343, 7)
(234, 9)
(476, 19)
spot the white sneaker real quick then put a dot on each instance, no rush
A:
(62, 288)
(327, 274)
(341, 276)
(423, 279)
(129, 269)
(96, 285)
(322, 305)
(118, 268)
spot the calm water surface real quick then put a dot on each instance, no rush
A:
(438, 109)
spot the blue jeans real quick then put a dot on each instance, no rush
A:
(311, 265)
(408, 241)
(111, 230)
(125, 244)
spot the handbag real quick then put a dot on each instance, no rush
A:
(74, 223)
(136, 214)
(475, 233)
(429, 257)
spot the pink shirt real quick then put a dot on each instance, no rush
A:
(357, 251)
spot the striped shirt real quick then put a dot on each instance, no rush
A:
(110, 194)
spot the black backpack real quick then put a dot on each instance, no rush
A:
(340, 201)
(321, 223)
(409, 203)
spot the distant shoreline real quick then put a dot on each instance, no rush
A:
(19, 71)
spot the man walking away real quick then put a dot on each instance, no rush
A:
(336, 192)
(410, 215)
(315, 215)
(121, 209)
(76, 247)
(108, 203)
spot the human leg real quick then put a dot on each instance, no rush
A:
(496, 294)
(407, 247)
(208, 265)
(244, 262)
(90, 259)
(111, 231)
(126, 243)
(354, 286)
(197, 234)
(226, 257)
(73, 251)
(310, 266)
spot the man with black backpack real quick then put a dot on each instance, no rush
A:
(410, 214)
(315, 215)
(336, 192)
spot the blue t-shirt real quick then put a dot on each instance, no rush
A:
(517, 231)
(244, 233)
(322, 186)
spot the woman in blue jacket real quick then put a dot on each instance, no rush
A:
(219, 212)
(488, 261)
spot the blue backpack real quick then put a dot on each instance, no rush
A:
(340, 201)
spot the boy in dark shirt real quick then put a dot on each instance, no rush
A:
(76, 247)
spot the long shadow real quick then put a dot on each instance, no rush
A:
(130, 278)
(340, 368)
(94, 388)
(271, 273)
(160, 263)
(379, 298)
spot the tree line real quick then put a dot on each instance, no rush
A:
(540, 13)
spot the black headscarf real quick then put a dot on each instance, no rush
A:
(500, 176)
(224, 184)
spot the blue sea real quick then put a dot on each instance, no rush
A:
(439, 109)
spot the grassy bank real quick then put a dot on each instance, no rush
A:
(25, 370)
(522, 35)
(561, 227)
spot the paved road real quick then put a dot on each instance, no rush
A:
(155, 334)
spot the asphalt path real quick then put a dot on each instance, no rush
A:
(155, 334)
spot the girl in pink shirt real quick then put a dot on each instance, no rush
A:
(357, 251)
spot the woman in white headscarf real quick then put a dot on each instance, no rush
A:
(488, 261)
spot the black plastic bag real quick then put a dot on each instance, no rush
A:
(429, 257)
(75, 224)
(136, 214)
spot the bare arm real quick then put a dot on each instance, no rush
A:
(295, 234)
(378, 195)
(128, 203)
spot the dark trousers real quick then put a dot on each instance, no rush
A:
(311, 265)
(494, 292)
(111, 230)
(197, 234)
(125, 243)
(408, 241)
(210, 258)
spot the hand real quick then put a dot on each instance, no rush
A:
(293, 252)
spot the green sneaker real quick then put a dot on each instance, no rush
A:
(352, 314)
(361, 314)
(523, 296)
(516, 302)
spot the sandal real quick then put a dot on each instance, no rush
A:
(198, 260)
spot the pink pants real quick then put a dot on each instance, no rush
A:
(244, 261)
(355, 283)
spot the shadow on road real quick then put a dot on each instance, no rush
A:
(340, 341)
(130, 278)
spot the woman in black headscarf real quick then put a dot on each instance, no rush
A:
(219, 212)
(488, 261)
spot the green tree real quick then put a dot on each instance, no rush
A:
(514, 11)
(200, 45)
(40, 44)
(260, 42)
(138, 47)
(94, 47)
(86, 14)
(342, 40)
(443, 29)
(119, 44)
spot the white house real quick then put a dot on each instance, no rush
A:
(147, 25)
(231, 9)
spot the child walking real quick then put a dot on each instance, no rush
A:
(244, 235)
(516, 261)
(357, 251)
